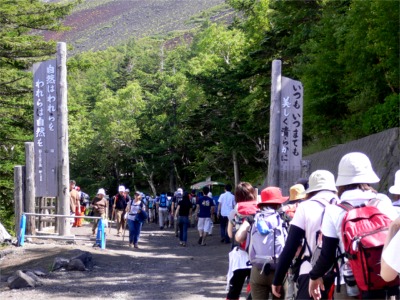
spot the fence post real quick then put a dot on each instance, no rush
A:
(19, 188)
(22, 228)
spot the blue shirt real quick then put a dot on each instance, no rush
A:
(205, 204)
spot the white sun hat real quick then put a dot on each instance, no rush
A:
(121, 188)
(355, 167)
(395, 189)
(101, 191)
(321, 180)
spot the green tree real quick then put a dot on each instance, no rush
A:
(20, 46)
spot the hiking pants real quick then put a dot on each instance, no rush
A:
(223, 227)
(183, 228)
(162, 216)
(134, 231)
(261, 285)
(236, 283)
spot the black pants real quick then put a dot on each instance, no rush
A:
(302, 285)
(236, 283)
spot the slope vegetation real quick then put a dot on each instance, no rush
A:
(97, 24)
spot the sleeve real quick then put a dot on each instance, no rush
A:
(326, 258)
(299, 218)
(390, 254)
(285, 259)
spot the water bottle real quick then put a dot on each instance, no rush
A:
(351, 285)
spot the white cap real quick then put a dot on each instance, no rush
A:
(179, 191)
(355, 167)
(321, 180)
(121, 188)
(395, 189)
(101, 191)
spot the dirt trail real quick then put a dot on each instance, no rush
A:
(160, 269)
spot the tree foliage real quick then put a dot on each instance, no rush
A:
(155, 114)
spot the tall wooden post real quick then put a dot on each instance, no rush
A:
(275, 114)
(63, 153)
(19, 188)
(30, 186)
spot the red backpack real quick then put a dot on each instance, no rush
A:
(364, 231)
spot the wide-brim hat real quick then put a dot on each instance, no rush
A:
(297, 192)
(272, 195)
(321, 180)
(395, 189)
(355, 167)
(101, 191)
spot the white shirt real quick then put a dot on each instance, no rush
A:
(227, 203)
(332, 223)
(391, 253)
(308, 217)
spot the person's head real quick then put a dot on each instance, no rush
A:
(121, 190)
(138, 195)
(101, 193)
(303, 182)
(296, 193)
(228, 187)
(245, 192)
(179, 191)
(271, 197)
(355, 172)
(320, 180)
(395, 189)
(206, 190)
(72, 184)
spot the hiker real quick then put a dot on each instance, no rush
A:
(193, 199)
(162, 210)
(79, 209)
(395, 191)
(134, 210)
(226, 205)
(99, 204)
(204, 211)
(151, 208)
(288, 209)
(305, 225)
(119, 208)
(182, 213)
(267, 238)
(390, 264)
(74, 202)
(355, 174)
(239, 267)
(178, 196)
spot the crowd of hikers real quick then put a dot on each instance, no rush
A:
(329, 239)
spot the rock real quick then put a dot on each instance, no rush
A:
(76, 265)
(59, 263)
(86, 258)
(21, 280)
(37, 280)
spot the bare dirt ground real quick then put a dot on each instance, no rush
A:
(159, 269)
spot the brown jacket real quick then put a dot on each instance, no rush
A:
(74, 200)
(99, 205)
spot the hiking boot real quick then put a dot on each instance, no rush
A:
(130, 245)
(136, 246)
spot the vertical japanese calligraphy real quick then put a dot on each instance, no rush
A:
(291, 130)
(45, 128)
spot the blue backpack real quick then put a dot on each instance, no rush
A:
(163, 200)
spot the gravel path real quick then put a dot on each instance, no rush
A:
(160, 269)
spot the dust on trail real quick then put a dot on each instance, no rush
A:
(160, 269)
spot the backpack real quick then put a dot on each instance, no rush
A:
(163, 200)
(364, 231)
(266, 239)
